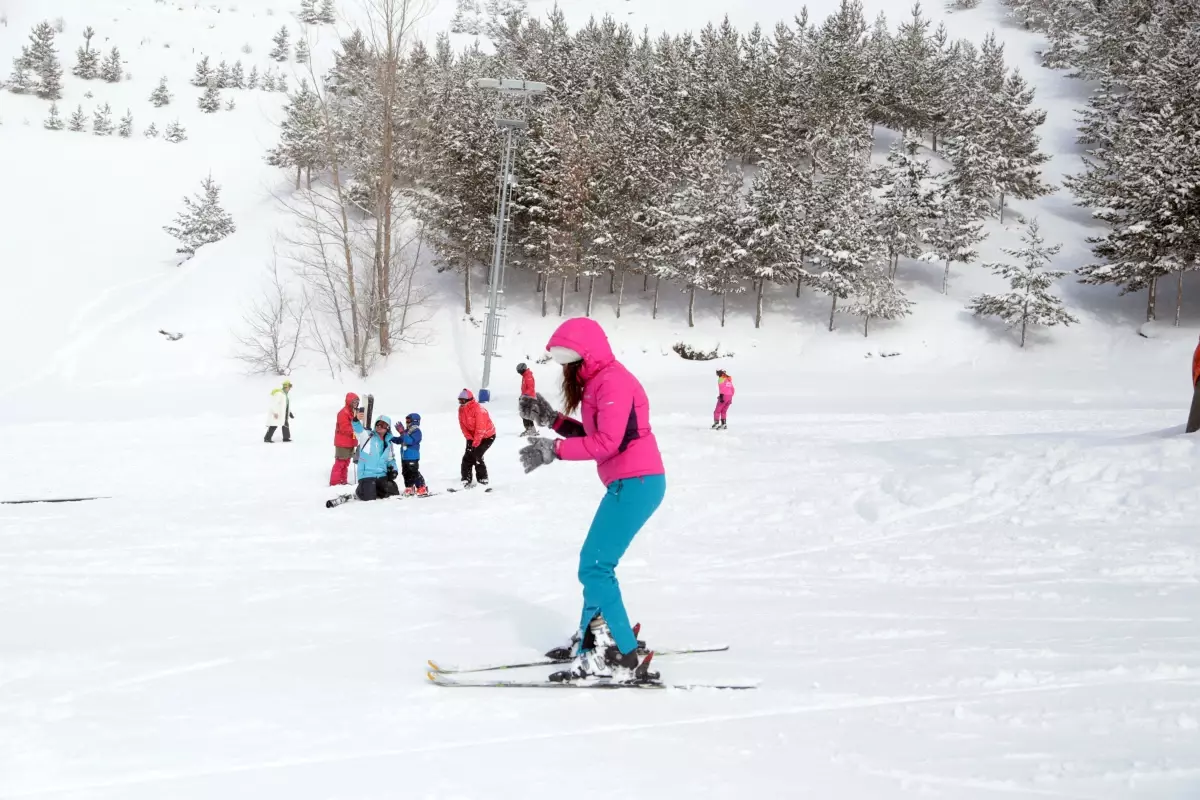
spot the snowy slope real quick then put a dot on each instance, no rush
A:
(966, 571)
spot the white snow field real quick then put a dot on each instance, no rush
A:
(965, 571)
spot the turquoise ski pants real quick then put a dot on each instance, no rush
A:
(624, 510)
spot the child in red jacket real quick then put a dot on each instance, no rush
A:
(480, 433)
(528, 389)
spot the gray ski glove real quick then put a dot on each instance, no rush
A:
(537, 410)
(537, 453)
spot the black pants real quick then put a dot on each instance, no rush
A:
(287, 434)
(376, 488)
(473, 457)
(1193, 423)
(412, 474)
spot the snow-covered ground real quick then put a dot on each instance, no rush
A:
(966, 571)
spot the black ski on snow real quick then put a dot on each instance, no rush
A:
(452, 490)
(551, 662)
(51, 500)
(346, 498)
(440, 679)
(370, 412)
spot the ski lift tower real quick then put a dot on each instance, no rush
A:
(517, 89)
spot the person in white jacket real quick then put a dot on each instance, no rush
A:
(280, 413)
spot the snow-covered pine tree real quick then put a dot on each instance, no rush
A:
(126, 129)
(237, 76)
(268, 81)
(1029, 300)
(280, 51)
(878, 297)
(87, 60)
(957, 227)
(844, 245)
(210, 101)
(252, 78)
(175, 132)
(327, 14)
(77, 120)
(221, 75)
(302, 51)
(102, 124)
(907, 208)
(281, 84)
(21, 81)
(111, 70)
(53, 122)
(202, 221)
(781, 204)
(230, 104)
(42, 60)
(204, 73)
(308, 12)
(1016, 139)
(151, 131)
(911, 78)
(969, 138)
(881, 66)
(161, 96)
(302, 137)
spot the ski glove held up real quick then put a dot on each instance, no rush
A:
(537, 453)
(537, 410)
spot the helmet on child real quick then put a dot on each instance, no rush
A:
(413, 419)
(521, 368)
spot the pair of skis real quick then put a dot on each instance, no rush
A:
(444, 675)
(342, 499)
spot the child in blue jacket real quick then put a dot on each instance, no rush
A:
(410, 455)
(377, 464)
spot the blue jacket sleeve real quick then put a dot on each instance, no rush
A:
(358, 428)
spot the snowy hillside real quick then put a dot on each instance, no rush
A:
(955, 568)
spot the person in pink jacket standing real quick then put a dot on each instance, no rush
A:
(613, 431)
(724, 400)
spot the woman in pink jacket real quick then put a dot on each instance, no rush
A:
(724, 399)
(614, 431)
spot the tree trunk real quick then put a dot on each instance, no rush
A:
(541, 283)
(832, 311)
(620, 293)
(298, 170)
(1002, 208)
(562, 296)
(591, 294)
(692, 307)
(799, 285)
(1152, 300)
(866, 322)
(1179, 298)
(545, 284)
(946, 278)
(576, 281)
(308, 177)
(646, 282)
(612, 282)
(467, 310)
(654, 311)
(724, 295)
(934, 134)
(758, 304)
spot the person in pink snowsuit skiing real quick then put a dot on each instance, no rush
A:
(613, 430)
(724, 400)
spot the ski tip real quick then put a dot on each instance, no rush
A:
(433, 665)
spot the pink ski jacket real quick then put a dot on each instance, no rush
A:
(615, 430)
(725, 387)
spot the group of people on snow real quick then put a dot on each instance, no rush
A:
(612, 429)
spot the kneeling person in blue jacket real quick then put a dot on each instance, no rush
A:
(410, 455)
(377, 464)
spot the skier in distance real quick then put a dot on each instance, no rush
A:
(614, 431)
(280, 413)
(477, 428)
(528, 389)
(724, 399)
(345, 440)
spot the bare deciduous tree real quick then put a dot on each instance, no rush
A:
(275, 329)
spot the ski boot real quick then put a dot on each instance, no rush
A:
(722, 426)
(605, 662)
(572, 648)
(410, 491)
(422, 491)
(716, 424)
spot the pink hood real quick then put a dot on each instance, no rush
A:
(615, 427)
